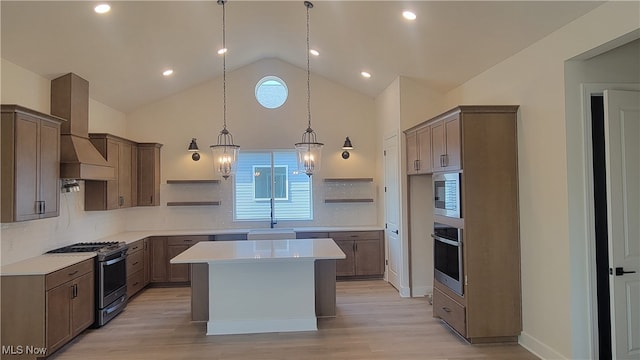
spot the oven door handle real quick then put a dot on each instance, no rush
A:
(446, 241)
(113, 261)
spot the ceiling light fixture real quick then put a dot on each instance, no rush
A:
(309, 150)
(365, 74)
(167, 72)
(222, 51)
(102, 8)
(225, 152)
(314, 52)
(409, 15)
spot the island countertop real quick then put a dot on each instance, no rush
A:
(260, 250)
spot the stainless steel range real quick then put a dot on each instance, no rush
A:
(110, 276)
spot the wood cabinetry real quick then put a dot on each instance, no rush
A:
(148, 174)
(47, 311)
(364, 252)
(163, 249)
(121, 192)
(489, 310)
(30, 164)
(419, 159)
(137, 266)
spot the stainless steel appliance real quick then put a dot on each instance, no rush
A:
(447, 250)
(110, 277)
(446, 192)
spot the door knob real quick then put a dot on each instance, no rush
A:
(620, 271)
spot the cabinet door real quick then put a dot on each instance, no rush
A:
(124, 175)
(49, 175)
(58, 316)
(146, 266)
(424, 150)
(346, 266)
(158, 254)
(113, 154)
(412, 153)
(148, 174)
(368, 257)
(82, 304)
(452, 133)
(26, 170)
(177, 272)
(438, 145)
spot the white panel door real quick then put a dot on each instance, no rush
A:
(622, 146)
(392, 211)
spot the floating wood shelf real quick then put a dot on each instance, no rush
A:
(193, 203)
(348, 180)
(348, 201)
(193, 181)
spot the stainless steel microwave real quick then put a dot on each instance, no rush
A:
(446, 192)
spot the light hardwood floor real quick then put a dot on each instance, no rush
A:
(372, 323)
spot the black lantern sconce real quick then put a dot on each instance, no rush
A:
(193, 147)
(347, 146)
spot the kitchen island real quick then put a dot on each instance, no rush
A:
(256, 286)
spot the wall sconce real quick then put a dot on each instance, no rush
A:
(347, 146)
(193, 147)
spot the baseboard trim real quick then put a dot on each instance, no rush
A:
(422, 291)
(539, 348)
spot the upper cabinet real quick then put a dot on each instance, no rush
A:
(419, 151)
(149, 174)
(437, 145)
(122, 154)
(30, 164)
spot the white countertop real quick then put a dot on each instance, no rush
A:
(260, 250)
(44, 264)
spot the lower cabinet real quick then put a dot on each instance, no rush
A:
(364, 251)
(163, 249)
(46, 311)
(137, 266)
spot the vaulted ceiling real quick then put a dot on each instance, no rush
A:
(123, 53)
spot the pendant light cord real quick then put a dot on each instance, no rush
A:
(224, 66)
(309, 5)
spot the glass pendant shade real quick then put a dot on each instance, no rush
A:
(225, 154)
(309, 153)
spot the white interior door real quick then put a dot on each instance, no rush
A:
(622, 147)
(392, 211)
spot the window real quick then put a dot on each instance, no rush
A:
(271, 92)
(265, 175)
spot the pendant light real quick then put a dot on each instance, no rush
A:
(309, 150)
(225, 152)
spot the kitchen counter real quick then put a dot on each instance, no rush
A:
(44, 264)
(257, 286)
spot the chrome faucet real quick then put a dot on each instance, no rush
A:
(273, 219)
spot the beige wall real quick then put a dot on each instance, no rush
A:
(534, 79)
(30, 238)
(337, 112)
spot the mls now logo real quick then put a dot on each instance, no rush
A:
(20, 350)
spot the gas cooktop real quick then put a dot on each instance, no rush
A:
(104, 248)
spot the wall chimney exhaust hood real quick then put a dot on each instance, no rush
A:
(79, 159)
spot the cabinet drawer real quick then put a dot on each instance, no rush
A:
(136, 246)
(70, 272)
(312, 235)
(135, 282)
(135, 262)
(450, 311)
(186, 240)
(354, 235)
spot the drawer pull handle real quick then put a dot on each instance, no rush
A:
(135, 263)
(446, 309)
(136, 283)
(73, 273)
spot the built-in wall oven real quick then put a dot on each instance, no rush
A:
(448, 263)
(446, 193)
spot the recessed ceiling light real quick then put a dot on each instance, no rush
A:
(314, 52)
(409, 15)
(167, 72)
(222, 51)
(102, 8)
(365, 74)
